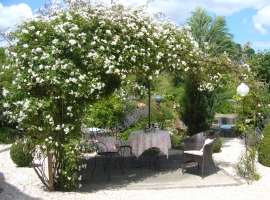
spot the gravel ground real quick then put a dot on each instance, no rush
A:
(22, 183)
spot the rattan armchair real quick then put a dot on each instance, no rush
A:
(199, 149)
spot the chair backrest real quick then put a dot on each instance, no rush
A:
(106, 143)
(100, 147)
(120, 143)
(197, 141)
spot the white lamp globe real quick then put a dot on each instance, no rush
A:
(243, 89)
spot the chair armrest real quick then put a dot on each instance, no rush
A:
(188, 144)
(209, 146)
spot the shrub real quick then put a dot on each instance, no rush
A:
(9, 135)
(105, 113)
(217, 146)
(263, 147)
(226, 108)
(19, 154)
(176, 141)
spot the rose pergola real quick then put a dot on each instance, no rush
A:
(68, 58)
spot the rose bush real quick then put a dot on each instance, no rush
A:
(66, 59)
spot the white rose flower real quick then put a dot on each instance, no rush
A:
(55, 41)
(72, 42)
(24, 31)
(38, 49)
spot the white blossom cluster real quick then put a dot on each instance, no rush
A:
(206, 86)
(101, 51)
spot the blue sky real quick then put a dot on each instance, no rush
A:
(248, 21)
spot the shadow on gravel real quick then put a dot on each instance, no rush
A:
(8, 191)
(4, 150)
(145, 177)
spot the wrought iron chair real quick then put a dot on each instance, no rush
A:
(109, 153)
(199, 148)
(123, 147)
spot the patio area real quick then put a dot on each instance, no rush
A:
(169, 176)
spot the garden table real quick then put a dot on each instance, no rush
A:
(150, 143)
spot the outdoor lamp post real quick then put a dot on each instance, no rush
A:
(243, 90)
(149, 97)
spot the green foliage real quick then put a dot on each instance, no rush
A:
(263, 148)
(176, 141)
(260, 64)
(105, 113)
(246, 166)
(198, 107)
(2, 55)
(226, 108)
(143, 80)
(9, 134)
(217, 146)
(8, 130)
(162, 114)
(211, 33)
(125, 135)
(20, 153)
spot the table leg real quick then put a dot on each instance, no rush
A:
(151, 158)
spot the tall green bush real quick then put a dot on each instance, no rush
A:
(264, 147)
(198, 105)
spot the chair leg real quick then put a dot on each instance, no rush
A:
(202, 171)
(122, 150)
(183, 166)
(105, 161)
(94, 166)
(120, 165)
(108, 172)
(215, 167)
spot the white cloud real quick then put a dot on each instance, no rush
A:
(261, 45)
(13, 14)
(262, 19)
(180, 10)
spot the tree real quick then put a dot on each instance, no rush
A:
(7, 130)
(199, 106)
(212, 34)
(260, 64)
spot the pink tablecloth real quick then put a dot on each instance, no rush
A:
(141, 141)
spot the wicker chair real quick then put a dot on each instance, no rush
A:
(199, 149)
